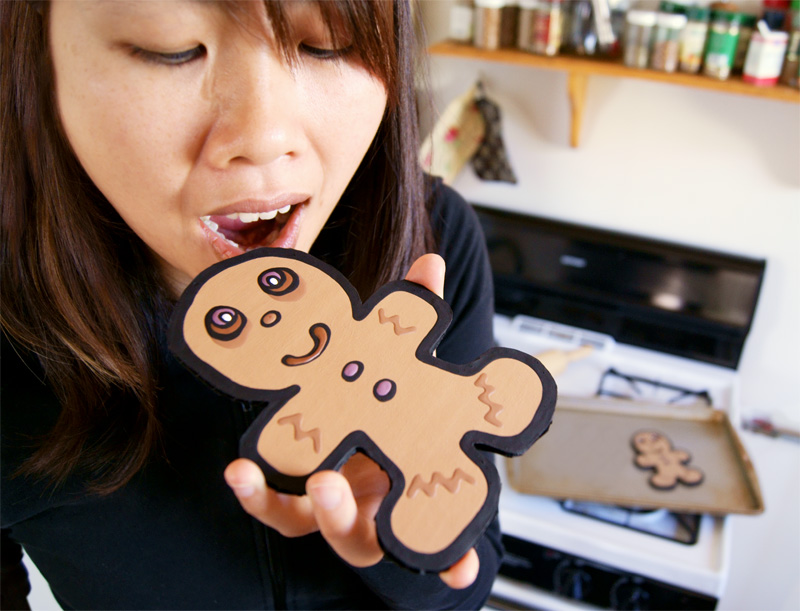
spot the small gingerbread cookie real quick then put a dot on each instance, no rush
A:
(655, 451)
(339, 376)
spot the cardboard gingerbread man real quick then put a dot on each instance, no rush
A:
(654, 451)
(279, 327)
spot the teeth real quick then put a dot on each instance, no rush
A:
(209, 223)
(252, 217)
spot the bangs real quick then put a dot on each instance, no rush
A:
(365, 25)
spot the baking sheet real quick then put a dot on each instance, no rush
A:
(587, 456)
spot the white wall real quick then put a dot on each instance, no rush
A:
(698, 167)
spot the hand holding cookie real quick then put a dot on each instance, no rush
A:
(342, 506)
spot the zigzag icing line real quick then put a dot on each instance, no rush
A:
(296, 421)
(494, 408)
(452, 483)
(395, 320)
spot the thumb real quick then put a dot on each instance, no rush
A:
(428, 271)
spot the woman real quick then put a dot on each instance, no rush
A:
(142, 142)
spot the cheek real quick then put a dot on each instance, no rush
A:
(131, 140)
(349, 118)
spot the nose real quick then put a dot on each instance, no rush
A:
(256, 110)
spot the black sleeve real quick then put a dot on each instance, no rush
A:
(20, 375)
(14, 577)
(401, 588)
(470, 293)
(468, 287)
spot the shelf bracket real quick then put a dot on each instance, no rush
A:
(576, 90)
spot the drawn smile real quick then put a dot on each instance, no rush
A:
(321, 334)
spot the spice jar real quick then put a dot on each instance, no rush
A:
(693, 39)
(509, 19)
(547, 27)
(745, 32)
(527, 19)
(638, 32)
(790, 75)
(666, 41)
(488, 18)
(461, 18)
(723, 36)
(580, 37)
(764, 60)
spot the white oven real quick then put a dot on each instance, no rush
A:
(666, 325)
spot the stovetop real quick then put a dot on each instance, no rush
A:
(667, 324)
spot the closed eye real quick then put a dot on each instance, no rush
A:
(325, 54)
(178, 58)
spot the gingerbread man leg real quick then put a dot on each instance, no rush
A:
(435, 508)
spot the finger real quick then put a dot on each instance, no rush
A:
(351, 534)
(366, 478)
(289, 514)
(428, 271)
(464, 572)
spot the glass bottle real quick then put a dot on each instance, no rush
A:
(693, 39)
(548, 27)
(638, 33)
(666, 41)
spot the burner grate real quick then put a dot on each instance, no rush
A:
(626, 386)
(680, 527)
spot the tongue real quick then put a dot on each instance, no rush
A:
(247, 235)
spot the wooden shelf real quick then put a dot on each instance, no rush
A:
(580, 68)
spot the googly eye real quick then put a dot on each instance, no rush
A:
(278, 281)
(225, 323)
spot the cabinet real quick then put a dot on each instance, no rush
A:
(579, 69)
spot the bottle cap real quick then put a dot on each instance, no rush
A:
(643, 18)
(672, 20)
(698, 13)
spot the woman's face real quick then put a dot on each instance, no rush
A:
(197, 131)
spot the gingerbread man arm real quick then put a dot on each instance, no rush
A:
(646, 460)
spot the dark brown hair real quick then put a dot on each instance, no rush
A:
(82, 291)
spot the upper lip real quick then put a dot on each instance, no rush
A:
(262, 204)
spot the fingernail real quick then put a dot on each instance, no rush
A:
(327, 497)
(244, 491)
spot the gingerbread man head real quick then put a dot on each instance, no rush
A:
(339, 376)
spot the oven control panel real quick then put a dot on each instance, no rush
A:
(589, 582)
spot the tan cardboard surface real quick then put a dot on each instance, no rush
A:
(587, 455)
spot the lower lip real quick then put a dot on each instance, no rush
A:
(287, 238)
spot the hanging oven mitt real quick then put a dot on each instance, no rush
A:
(490, 161)
(454, 139)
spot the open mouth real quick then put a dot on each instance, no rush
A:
(243, 231)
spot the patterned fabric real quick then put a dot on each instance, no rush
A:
(469, 130)
(490, 161)
(454, 139)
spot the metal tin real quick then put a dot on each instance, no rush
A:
(723, 38)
